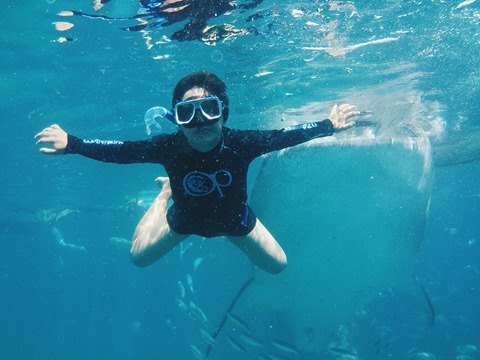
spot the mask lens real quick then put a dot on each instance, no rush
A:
(211, 108)
(185, 112)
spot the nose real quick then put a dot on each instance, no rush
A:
(198, 116)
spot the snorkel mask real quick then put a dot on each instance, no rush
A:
(211, 108)
(183, 114)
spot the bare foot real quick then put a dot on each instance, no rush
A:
(162, 181)
(97, 4)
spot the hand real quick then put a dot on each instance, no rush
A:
(341, 114)
(56, 137)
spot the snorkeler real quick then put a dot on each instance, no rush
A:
(207, 166)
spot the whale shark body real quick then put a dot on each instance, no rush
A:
(351, 216)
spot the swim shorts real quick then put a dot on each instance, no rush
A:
(212, 227)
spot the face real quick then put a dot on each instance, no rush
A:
(203, 138)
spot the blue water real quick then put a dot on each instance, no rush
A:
(90, 302)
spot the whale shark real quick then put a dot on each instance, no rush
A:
(350, 212)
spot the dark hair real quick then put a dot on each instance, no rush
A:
(202, 79)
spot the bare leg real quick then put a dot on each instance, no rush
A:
(153, 237)
(262, 249)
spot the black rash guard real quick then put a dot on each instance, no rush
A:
(209, 189)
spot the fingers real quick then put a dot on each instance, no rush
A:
(49, 130)
(49, 140)
(41, 133)
(352, 113)
(346, 107)
(348, 110)
(46, 139)
(342, 114)
(351, 110)
(333, 112)
(349, 124)
(52, 135)
(48, 151)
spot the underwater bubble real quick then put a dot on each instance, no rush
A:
(49, 1)
(216, 56)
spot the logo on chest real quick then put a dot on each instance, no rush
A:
(197, 183)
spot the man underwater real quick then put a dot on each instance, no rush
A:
(207, 165)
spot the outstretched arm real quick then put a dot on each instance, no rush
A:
(56, 137)
(153, 150)
(340, 118)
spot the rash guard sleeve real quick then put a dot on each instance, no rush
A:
(262, 142)
(120, 152)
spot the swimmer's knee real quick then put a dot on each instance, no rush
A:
(277, 266)
(137, 258)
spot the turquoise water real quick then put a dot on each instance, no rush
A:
(414, 60)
